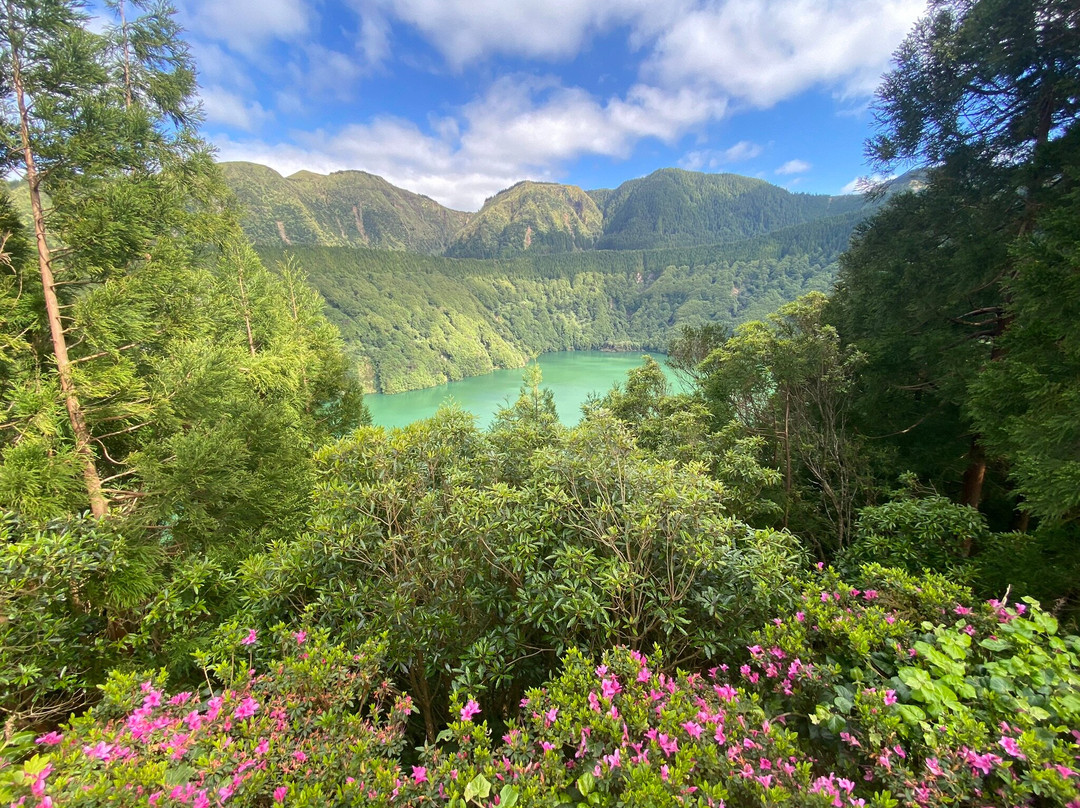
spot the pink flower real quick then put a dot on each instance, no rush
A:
(300, 757)
(726, 692)
(300, 637)
(247, 708)
(664, 773)
(102, 751)
(549, 716)
(1012, 747)
(692, 729)
(419, 774)
(37, 787)
(890, 697)
(470, 709)
(613, 761)
(962, 609)
(669, 745)
(870, 594)
(609, 687)
(50, 738)
(280, 792)
(800, 616)
(249, 639)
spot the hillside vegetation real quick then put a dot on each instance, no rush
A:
(524, 275)
(676, 208)
(414, 321)
(346, 208)
(539, 217)
(668, 208)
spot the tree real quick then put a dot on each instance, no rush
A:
(985, 92)
(998, 78)
(788, 381)
(39, 41)
(98, 125)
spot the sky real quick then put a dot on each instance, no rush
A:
(458, 99)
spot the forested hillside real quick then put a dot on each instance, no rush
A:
(842, 570)
(531, 217)
(346, 208)
(680, 249)
(668, 208)
(415, 321)
(676, 208)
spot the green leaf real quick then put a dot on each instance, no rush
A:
(585, 783)
(508, 796)
(479, 786)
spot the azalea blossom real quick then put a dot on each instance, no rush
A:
(470, 709)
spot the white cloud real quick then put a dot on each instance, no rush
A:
(758, 51)
(469, 30)
(699, 60)
(711, 159)
(244, 26)
(762, 51)
(794, 167)
(229, 109)
(861, 185)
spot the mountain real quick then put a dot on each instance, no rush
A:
(676, 208)
(537, 217)
(343, 209)
(668, 208)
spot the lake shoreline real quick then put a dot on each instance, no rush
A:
(572, 376)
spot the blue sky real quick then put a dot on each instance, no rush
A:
(458, 99)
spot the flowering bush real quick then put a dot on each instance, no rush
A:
(895, 690)
(623, 733)
(905, 687)
(318, 721)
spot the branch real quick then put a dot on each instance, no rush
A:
(100, 354)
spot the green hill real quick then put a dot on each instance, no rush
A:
(672, 207)
(668, 208)
(343, 209)
(414, 321)
(537, 217)
(423, 294)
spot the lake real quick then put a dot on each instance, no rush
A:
(571, 375)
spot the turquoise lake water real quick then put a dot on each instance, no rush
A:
(571, 375)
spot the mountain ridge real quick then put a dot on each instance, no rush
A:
(670, 207)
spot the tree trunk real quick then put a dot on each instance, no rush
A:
(244, 308)
(974, 475)
(99, 505)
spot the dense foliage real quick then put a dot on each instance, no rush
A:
(897, 694)
(346, 208)
(413, 321)
(814, 579)
(668, 208)
(530, 217)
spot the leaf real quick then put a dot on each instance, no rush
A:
(585, 783)
(910, 713)
(508, 796)
(479, 786)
